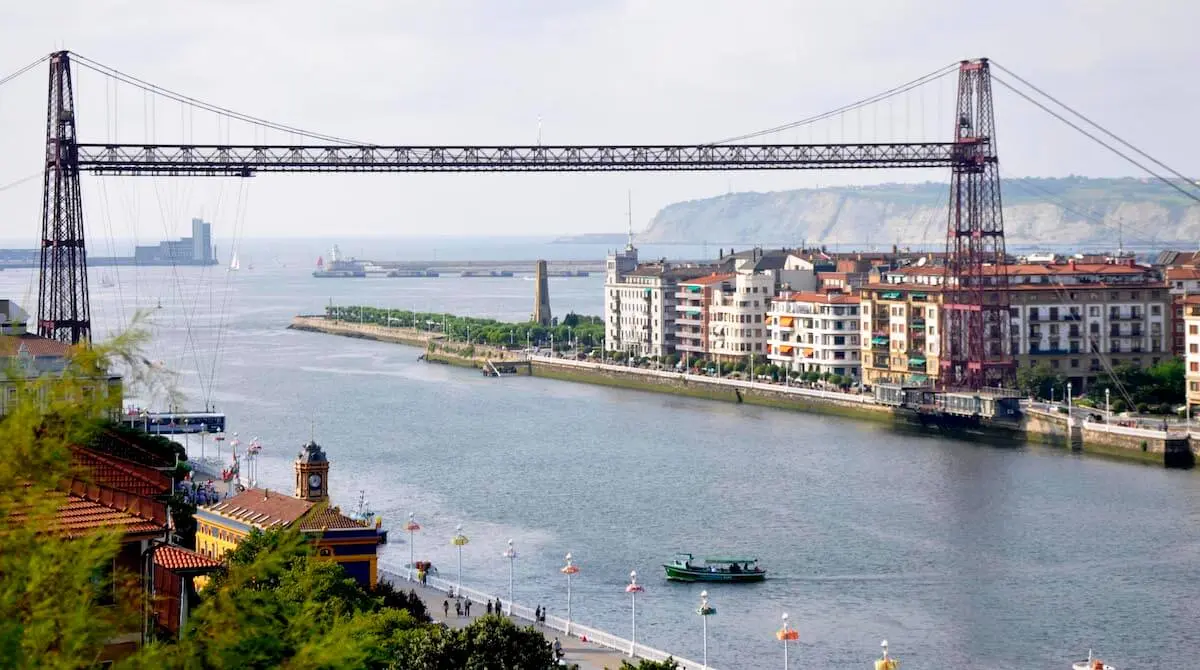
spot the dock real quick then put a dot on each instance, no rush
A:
(497, 268)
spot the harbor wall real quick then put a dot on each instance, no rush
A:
(822, 402)
(1036, 426)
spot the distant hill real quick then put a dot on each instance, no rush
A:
(1072, 210)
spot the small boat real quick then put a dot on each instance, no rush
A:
(685, 568)
(234, 263)
(1091, 664)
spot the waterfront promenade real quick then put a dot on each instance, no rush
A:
(587, 647)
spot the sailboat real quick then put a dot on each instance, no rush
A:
(234, 263)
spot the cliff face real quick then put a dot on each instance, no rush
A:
(1036, 211)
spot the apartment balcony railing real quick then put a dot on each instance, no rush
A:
(1048, 352)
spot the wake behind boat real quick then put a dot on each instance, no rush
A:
(685, 568)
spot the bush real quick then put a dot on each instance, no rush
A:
(1143, 408)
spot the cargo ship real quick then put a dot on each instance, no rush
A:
(338, 267)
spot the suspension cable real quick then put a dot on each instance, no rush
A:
(179, 97)
(1099, 127)
(4, 80)
(1097, 140)
(940, 72)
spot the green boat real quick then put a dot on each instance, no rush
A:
(685, 568)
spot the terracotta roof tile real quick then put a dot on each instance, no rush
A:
(711, 279)
(180, 559)
(262, 508)
(331, 518)
(1183, 273)
(826, 298)
(120, 474)
(36, 345)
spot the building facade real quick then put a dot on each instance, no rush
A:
(1191, 356)
(1181, 282)
(693, 316)
(1079, 319)
(352, 543)
(816, 332)
(640, 303)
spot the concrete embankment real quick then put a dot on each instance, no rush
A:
(1150, 446)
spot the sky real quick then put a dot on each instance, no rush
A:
(593, 71)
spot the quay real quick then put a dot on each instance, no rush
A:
(600, 651)
(1075, 429)
(495, 268)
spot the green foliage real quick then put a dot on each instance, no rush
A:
(643, 664)
(1155, 389)
(588, 331)
(1039, 381)
(393, 598)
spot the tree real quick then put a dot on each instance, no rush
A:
(1039, 381)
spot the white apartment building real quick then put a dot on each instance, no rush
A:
(722, 316)
(639, 303)
(815, 332)
(1191, 322)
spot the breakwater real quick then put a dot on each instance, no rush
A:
(1168, 448)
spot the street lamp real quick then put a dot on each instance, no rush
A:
(633, 589)
(1069, 422)
(887, 662)
(705, 611)
(568, 570)
(1107, 409)
(511, 555)
(412, 527)
(459, 540)
(786, 635)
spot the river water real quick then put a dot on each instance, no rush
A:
(960, 554)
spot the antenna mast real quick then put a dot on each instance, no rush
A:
(629, 215)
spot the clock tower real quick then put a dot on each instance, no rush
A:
(312, 473)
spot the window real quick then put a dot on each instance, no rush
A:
(1195, 386)
(1094, 310)
(1054, 314)
(1192, 330)
(1033, 314)
(1155, 310)
(1074, 362)
(1054, 363)
(1194, 366)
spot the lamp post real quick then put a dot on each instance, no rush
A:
(633, 589)
(459, 540)
(412, 527)
(786, 635)
(1107, 409)
(511, 555)
(568, 570)
(705, 611)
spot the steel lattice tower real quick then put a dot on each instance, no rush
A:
(64, 313)
(975, 331)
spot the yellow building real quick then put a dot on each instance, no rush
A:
(900, 335)
(350, 542)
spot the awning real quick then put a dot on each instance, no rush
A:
(879, 340)
(693, 312)
(785, 349)
(890, 295)
(807, 353)
(918, 295)
(916, 361)
(692, 289)
(918, 326)
(919, 379)
(787, 321)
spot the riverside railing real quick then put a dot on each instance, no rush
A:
(732, 383)
(577, 630)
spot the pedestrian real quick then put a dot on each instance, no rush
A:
(467, 607)
(542, 618)
(537, 614)
(489, 607)
(446, 608)
(498, 608)
(457, 608)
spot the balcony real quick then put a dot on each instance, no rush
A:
(1049, 352)
(916, 364)
(878, 343)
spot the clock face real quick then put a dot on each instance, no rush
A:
(314, 481)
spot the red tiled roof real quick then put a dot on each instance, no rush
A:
(329, 518)
(1032, 269)
(183, 560)
(262, 508)
(120, 474)
(710, 279)
(827, 298)
(80, 515)
(36, 345)
(1183, 273)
